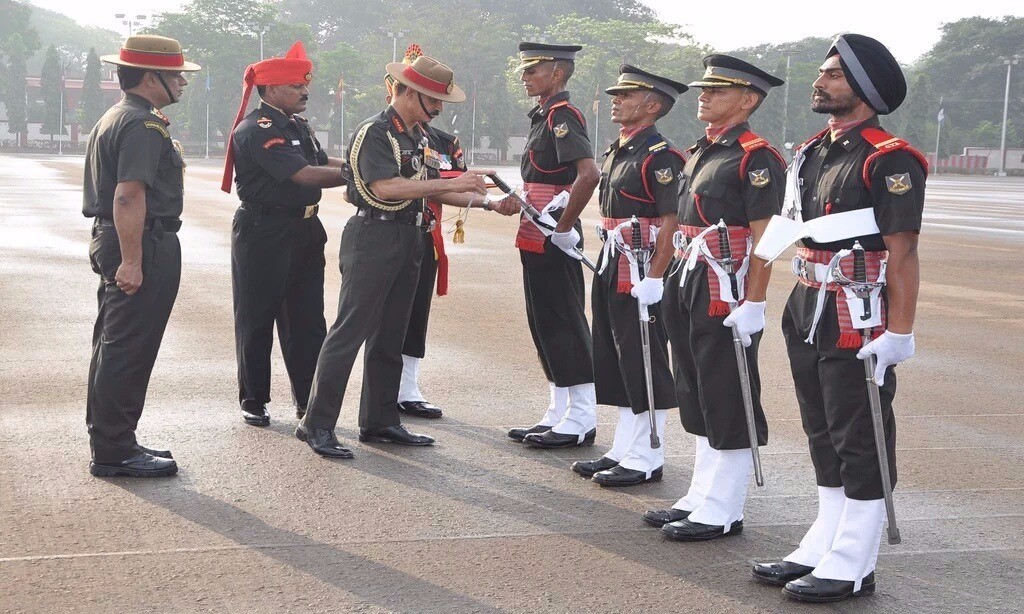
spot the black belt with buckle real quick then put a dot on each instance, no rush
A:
(169, 224)
(297, 212)
(412, 217)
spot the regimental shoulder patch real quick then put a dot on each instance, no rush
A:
(663, 175)
(274, 141)
(899, 183)
(159, 127)
(264, 122)
(759, 178)
(561, 130)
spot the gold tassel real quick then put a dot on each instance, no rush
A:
(460, 233)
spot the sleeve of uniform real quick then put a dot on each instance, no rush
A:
(271, 149)
(897, 192)
(764, 185)
(571, 140)
(142, 146)
(377, 156)
(456, 154)
(663, 179)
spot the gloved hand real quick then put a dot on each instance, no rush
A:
(889, 349)
(748, 319)
(649, 290)
(566, 241)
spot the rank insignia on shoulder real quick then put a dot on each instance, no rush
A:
(663, 175)
(561, 130)
(159, 127)
(759, 178)
(264, 122)
(899, 183)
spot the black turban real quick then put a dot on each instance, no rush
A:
(871, 70)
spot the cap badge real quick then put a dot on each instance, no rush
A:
(308, 77)
(899, 183)
(451, 85)
(759, 178)
(264, 122)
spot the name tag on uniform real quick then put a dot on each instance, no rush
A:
(296, 142)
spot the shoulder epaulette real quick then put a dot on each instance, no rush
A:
(750, 143)
(884, 143)
(560, 104)
(655, 145)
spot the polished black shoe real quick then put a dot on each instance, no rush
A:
(551, 439)
(688, 531)
(778, 573)
(520, 432)
(818, 590)
(588, 468)
(141, 465)
(152, 452)
(394, 434)
(300, 412)
(255, 413)
(659, 518)
(420, 409)
(323, 442)
(620, 476)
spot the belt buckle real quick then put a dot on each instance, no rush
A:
(310, 211)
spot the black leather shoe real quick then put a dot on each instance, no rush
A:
(323, 442)
(141, 465)
(620, 476)
(817, 590)
(420, 409)
(255, 413)
(778, 573)
(688, 531)
(520, 432)
(588, 468)
(551, 439)
(659, 518)
(394, 434)
(300, 412)
(152, 452)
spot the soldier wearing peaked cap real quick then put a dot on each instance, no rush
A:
(381, 250)
(558, 157)
(639, 178)
(732, 176)
(277, 240)
(133, 190)
(856, 184)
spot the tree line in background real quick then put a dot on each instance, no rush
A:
(350, 41)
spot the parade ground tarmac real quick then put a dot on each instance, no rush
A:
(255, 522)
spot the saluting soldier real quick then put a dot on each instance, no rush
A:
(277, 240)
(445, 161)
(852, 166)
(640, 178)
(558, 157)
(381, 249)
(735, 176)
(133, 190)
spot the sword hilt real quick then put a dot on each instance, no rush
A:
(860, 275)
(637, 243)
(725, 253)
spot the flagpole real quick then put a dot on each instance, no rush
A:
(938, 133)
(344, 144)
(597, 125)
(472, 132)
(207, 113)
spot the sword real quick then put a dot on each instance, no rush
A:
(535, 216)
(642, 258)
(726, 261)
(862, 289)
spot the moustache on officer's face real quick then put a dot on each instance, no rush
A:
(304, 99)
(434, 113)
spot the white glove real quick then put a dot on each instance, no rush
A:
(889, 349)
(649, 291)
(748, 319)
(566, 241)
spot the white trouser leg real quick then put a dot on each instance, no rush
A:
(822, 533)
(641, 456)
(582, 414)
(623, 435)
(557, 407)
(728, 491)
(409, 389)
(855, 549)
(704, 462)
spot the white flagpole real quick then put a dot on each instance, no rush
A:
(938, 133)
(207, 113)
(472, 133)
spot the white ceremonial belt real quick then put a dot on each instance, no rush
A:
(812, 272)
(783, 232)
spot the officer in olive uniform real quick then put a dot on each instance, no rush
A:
(640, 178)
(133, 190)
(732, 175)
(381, 249)
(853, 166)
(277, 240)
(558, 156)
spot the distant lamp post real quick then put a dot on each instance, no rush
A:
(262, 32)
(1010, 63)
(394, 36)
(788, 52)
(130, 21)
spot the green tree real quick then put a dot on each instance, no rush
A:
(15, 92)
(17, 20)
(51, 86)
(91, 105)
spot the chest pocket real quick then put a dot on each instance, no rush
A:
(542, 155)
(628, 183)
(177, 171)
